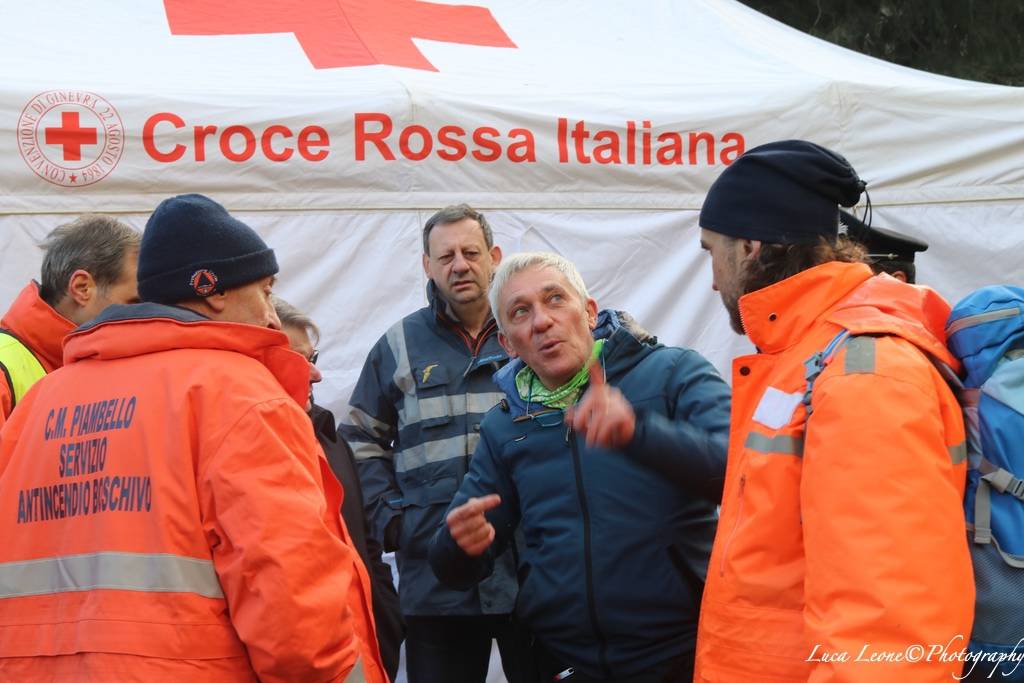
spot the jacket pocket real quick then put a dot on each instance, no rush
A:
(432, 397)
(425, 506)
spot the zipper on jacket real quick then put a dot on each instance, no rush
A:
(735, 526)
(587, 553)
(475, 345)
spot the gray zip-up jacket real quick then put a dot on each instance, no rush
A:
(413, 424)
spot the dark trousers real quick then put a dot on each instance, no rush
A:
(457, 649)
(551, 670)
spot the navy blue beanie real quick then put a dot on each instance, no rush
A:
(785, 192)
(193, 248)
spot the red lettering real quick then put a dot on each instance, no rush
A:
(266, 143)
(647, 142)
(563, 140)
(672, 152)
(738, 145)
(225, 143)
(200, 133)
(483, 137)
(522, 150)
(709, 145)
(312, 143)
(425, 147)
(310, 138)
(579, 135)
(378, 138)
(147, 137)
(608, 152)
(450, 137)
(449, 142)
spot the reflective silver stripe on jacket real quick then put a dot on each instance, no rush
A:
(782, 444)
(396, 343)
(860, 356)
(980, 319)
(356, 675)
(148, 573)
(421, 454)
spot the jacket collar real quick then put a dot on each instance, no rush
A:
(323, 423)
(627, 344)
(137, 329)
(439, 305)
(848, 296)
(778, 316)
(38, 325)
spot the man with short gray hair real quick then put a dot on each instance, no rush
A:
(414, 422)
(89, 264)
(176, 517)
(607, 455)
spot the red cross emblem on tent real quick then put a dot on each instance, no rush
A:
(338, 33)
(71, 135)
(71, 138)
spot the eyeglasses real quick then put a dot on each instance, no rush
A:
(314, 356)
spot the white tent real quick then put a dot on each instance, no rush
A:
(589, 127)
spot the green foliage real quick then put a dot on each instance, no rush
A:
(980, 40)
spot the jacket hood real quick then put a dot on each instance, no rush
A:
(38, 325)
(848, 295)
(983, 327)
(885, 305)
(628, 344)
(123, 331)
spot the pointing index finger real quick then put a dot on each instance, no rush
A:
(596, 373)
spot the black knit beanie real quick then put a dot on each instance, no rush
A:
(785, 192)
(193, 248)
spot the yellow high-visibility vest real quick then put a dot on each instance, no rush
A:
(19, 365)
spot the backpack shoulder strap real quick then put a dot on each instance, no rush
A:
(816, 364)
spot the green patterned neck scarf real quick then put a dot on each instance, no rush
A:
(532, 390)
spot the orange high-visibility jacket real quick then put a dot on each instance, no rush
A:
(845, 540)
(167, 514)
(41, 329)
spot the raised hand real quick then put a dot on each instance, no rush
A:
(603, 416)
(470, 528)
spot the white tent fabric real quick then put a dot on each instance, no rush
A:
(280, 110)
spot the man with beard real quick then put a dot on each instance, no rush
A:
(841, 539)
(414, 421)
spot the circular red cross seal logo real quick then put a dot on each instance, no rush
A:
(71, 138)
(204, 282)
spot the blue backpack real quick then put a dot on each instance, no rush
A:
(986, 332)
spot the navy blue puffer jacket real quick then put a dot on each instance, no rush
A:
(615, 542)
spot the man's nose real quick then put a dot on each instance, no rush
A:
(459, 263)
(541, 319)
(273, 322)
(314, 374)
